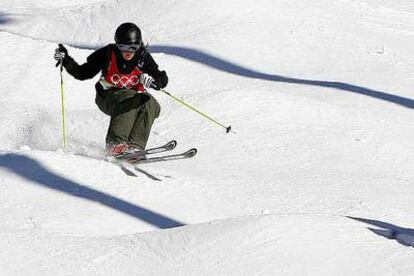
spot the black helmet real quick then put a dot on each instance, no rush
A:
(128, 34)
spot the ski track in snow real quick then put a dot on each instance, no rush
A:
(316, 181)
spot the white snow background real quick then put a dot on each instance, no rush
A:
(317, 180)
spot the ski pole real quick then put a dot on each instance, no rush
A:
(63, 107)
(228, 129)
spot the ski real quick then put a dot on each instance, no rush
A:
(131, 155)
(188, 154)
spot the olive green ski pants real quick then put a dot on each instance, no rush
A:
(132, 115)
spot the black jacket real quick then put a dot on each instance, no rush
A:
(99, 60)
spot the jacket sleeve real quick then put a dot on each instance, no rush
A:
(93, 65)
(151, 67)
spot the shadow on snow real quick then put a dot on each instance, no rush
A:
(33, 171)
(404, 236)
(5, 18)
(229, 67)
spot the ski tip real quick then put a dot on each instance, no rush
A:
(171, 145)
(191, 152)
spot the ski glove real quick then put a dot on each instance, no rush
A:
(147, 81)
(60, 54)
(161, 80)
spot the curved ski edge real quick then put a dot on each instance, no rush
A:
(191, 152)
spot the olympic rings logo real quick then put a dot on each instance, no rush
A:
(124, 81)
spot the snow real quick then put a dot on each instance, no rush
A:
(317, 179)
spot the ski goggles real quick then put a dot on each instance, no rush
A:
(129, 47)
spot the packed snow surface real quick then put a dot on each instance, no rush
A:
(317, 180)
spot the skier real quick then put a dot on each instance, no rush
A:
(128, 70)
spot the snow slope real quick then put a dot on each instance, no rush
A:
(321, 99)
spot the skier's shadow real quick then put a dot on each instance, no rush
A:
(404, 236)
(33, 171)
